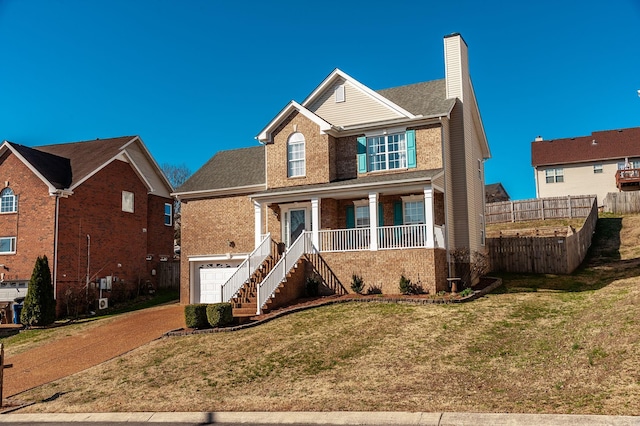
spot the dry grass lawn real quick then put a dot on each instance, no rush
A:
(543, 344)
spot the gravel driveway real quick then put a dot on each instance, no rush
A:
(72, 354)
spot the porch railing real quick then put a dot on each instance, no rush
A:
(230, 288)
(344, 239)
(389, 237)
(289, 258)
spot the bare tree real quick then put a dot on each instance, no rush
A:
(177, 175)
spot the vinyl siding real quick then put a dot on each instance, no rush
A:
(579, 179)
(358, 107)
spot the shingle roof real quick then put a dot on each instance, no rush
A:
(364, 180)
(602, 145)
(85, 157)
(427, 98)
(229, 169)
(55, 169)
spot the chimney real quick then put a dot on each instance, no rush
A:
(539, 139)
(456, 66)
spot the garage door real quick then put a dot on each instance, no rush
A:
(211, 280)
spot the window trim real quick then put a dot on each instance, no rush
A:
(362, 206)
(12, 245)
(402, 152)
(125, 202)
(597, 169)
(413, 199)
(556, 174)
(170, 215)
(14, 201)
(292, 142)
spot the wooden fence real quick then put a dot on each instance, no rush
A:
(539, 209)
(169, 275)
(544, 255)
(622, 202)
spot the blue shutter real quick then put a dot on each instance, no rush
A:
(397, 213)
(380, 215)
(362, 154)
(351, 217)
(411, 148)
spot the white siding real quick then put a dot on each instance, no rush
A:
(358, 107)
(579, 179)
(148, 170)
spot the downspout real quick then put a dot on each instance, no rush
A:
(446, 197)
(55, 246)
(88, 263)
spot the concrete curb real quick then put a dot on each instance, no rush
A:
(332, 418)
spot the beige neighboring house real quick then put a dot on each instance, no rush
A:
(603, 162)
(348, 181)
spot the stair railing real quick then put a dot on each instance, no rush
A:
(270, 283)
(230, 289)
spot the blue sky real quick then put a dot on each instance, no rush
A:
(193, 77)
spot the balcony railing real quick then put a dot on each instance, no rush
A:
(230, 289)
(389, 237)
(627, 177)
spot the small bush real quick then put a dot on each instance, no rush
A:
(312, 287)
(219, 314)
(407, 287)
(195, 316)
(466, 292)
(374, 289)
(357, 283)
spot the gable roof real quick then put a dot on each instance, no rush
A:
(63, 167)
(87, 156)
(427, 98)
(55, 169)
(265, 134)
(599, 146)
(232, 169)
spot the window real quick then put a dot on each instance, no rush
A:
(295, 155)
(597, 168)
(480, 168)
(127, 201)
(387, 152)
(482, 231)
(7, 245)
(554, 175)
(340, 93)
(8, 201)
(168, 214)
(362, 216)
(413, 212)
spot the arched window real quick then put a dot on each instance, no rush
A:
(8, 201)
(295, 155)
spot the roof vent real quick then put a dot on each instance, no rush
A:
(594, 142)
(539, 138)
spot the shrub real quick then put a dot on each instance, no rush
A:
(219, 314)
(374, 289)
(195, 316)
(39, 304)
(357, 283)
(312, 286)
(466, 292)
(407, 287)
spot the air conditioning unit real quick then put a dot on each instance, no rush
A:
(103, 303)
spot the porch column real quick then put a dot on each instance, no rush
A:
(373, 221)
(315, 222)
(428, 216)
(257, 208)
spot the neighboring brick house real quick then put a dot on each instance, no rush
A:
(99, 209)
(603, 162)
(351, 180)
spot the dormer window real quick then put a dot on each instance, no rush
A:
(8, 201)
(295, 155)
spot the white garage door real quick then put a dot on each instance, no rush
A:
(211, 280)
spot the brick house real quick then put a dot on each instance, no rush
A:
(350, 180)
(99, 210)
(603, 162)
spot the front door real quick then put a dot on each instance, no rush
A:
(295, 223)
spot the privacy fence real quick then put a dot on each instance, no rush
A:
(539, 209)
(169, 275)
(622, 202)
(550, 255)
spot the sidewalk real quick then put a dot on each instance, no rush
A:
(332, 418)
